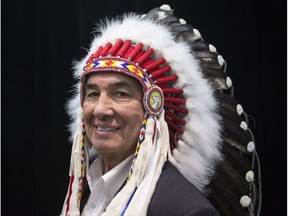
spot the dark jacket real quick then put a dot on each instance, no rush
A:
(175, 196)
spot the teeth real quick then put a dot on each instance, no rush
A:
(106, 129)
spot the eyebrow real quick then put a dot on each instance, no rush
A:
(111, 85)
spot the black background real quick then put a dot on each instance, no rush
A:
(40, 38)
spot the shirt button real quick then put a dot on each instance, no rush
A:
(93, 206)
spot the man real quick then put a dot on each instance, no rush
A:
(130, 155)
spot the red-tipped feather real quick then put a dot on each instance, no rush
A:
(95, 55)
(172, 91)
(115, 47)
(155, 64)
(106, 48)
(160, 72)
(144, 56)
(135, 51)
(166, 79)
(175, 117)
(124, 48)
(174, 126)
(175, 100)
(176, 108)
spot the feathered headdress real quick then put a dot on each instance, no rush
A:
(191, 116)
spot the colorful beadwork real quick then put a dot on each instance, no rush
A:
(153, 100)
(140, 140)
(118, 65)
(83, 164)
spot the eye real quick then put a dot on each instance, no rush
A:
(121, 94)
(91, 95)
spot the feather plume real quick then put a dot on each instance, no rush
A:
(229, 184)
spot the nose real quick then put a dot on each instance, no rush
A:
(103, 107)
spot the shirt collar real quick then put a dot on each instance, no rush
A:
(116, 177)
(112, 179)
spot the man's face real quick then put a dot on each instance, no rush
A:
(113, 113)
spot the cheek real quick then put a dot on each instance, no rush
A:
(87, 113)
(135, 117)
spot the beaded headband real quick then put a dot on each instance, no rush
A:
(118, 65)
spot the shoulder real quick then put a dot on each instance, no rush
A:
(175, 195)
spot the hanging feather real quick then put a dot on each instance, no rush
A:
(230, 184)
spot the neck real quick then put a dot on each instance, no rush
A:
(110, 161)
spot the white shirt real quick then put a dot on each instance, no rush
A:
(103, 188)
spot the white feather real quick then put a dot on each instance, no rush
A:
(199, 150)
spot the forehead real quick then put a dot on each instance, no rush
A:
(113, 78)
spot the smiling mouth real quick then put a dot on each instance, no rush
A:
(106, 129)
